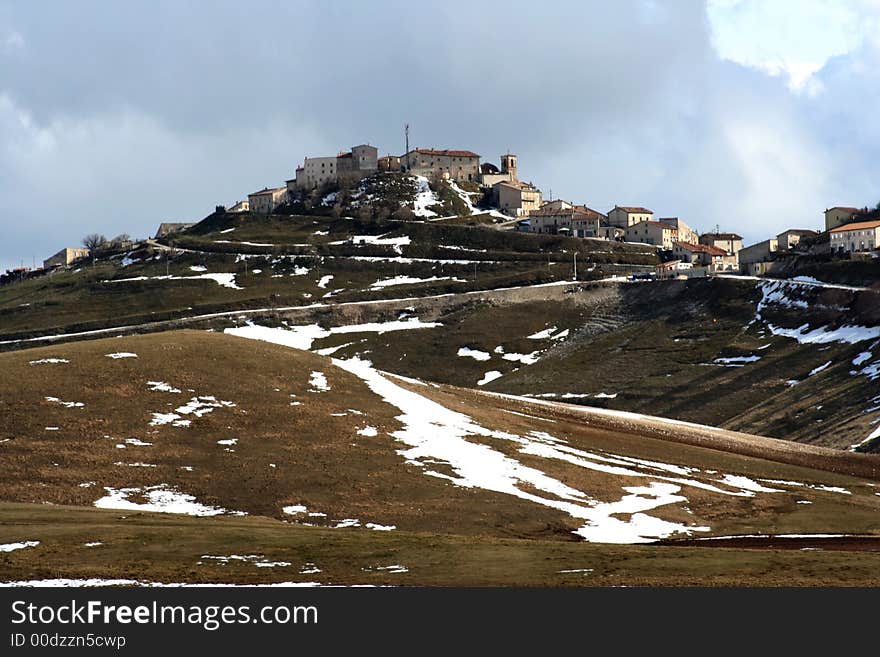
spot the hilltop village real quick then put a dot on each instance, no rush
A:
(455, 182)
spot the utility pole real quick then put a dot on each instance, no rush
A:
(575, 266)
(406, 152)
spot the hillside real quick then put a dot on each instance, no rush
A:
(277, 452)
(231, 262)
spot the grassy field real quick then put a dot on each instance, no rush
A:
(314, 461)
(165, 548)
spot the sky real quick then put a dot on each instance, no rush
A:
(752, 115)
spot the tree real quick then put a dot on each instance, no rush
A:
(404, 213)
(94, 241)
(120, 240)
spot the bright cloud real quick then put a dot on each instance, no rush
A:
(793, 38)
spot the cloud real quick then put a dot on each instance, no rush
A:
(793, 39)
(626, 102)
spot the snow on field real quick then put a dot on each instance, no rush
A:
(137, 443)
(198, 268)
(605, 395)
(393, 568)
(369, 432)
(294, 509)
(778, 293)
(51, 428)
(548, 334)
(11, 547)
(820, 368)
(242, 243)
(228, 441)
(136, 465)
(302, 337)
(347, 522)
(433, 434)
(489, 376)
(161, 386)
(380, 528)
(228, 230)
(258, 560)
(57, 360)
(861, 358)
(424, 198)
(736, 361)
(93, 544)
(67, 404)
(397, 243)
(160, 499)
(329, 351)
(453, 247)
(525, 359)
(745, 483)
(224, 280)
(197, 406)
(476, 354)
(318, 381)
(411, 280)
(121, 354)
(324, 281)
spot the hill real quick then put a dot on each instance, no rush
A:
(277, 451)
(231, 262)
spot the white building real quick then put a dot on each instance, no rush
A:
(858, 237)
(652, 232)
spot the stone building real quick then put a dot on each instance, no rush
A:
(516, 198)
(314, 172)
(839, 215)
(490, 175)
(787, 240)
(65, 257)
(625, 216)
(169, 227)
(858, 237)
(358, 163)
(683, 232)
(702, 255)
(656, 233)
(730, 242)
(457, 165)
(266, 200)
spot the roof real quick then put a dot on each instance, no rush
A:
(446, 152)
(798, 231)
(342, 155)
(843, 207)
(517, 184)
(633, 209)
(574, 211)
(583, 210)
(662, 224)
(488, 167)
(700, 248)
(722, 236)
(265, 191)
(859, 225)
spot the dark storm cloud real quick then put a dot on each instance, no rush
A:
(115, 116)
